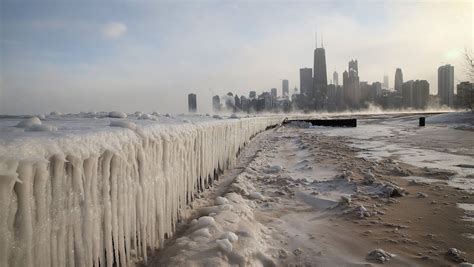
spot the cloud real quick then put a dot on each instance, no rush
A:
(114, 30)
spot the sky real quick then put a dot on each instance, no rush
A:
(72, 56)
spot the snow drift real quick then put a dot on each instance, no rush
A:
(106, 196)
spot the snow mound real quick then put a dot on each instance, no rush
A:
(255, 195)
(117, 114)
(230, 236)
(145, 117)
(221, 201)
(123, 124)
(204, 221)
(41, 128)
(29, 122)
(224, 245)
(379, 256)
(203, 232)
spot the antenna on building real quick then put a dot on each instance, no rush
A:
(316, 38)
(322, 41)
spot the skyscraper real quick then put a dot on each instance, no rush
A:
(407, 94)
(274, 92)
(446, 84)
(306, 82)
(385, 82)
(192, 103)
(216, 103)
(335, 78)
(285, 88)
(421, 93)
(320, 80)
(398, 81)
(351, 84)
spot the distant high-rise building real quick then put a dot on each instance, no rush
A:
(237, 103)
(376, 90)
(335, 78)
(385, 82)
(192, 103)
(274, 92)
(353, 68)
(465, 94)
(351, 85)
(320, 79)
(306, 82)
(407, 94)
(285, 88)
(398, 81)
(421, 93)
(252, 95)
(446, 85)
(216, 103)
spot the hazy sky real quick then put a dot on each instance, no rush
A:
(73, 56)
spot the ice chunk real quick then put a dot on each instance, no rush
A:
(255, 195)
(204, 221)
(117, 114)
(123, 124)
(203, 232)
(224, 245)
(230, 236)
(379, 255)
(144, 117)
(41, 128)
(55, 113)
(221, 201)
(29, 122)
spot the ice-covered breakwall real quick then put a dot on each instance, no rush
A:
(103, 198)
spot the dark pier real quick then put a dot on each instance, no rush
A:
(330, 122)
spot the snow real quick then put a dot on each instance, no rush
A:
(117, 114)
(224, 245)
(90, 194)
(123, 124)
(29, 122)
(221, 201)
(41, 128)
(230, 236)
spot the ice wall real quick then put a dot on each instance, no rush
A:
(103, 198)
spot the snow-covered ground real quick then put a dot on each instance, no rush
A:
(305, 200)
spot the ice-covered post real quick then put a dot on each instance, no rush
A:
(422, 121)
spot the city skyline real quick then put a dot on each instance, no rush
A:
(135, 55)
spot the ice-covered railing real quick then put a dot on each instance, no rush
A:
(103, 197)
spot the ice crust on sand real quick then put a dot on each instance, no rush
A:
(90, 195)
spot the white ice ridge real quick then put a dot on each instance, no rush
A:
(103, 197)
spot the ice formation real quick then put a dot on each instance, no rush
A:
(105, 196)
(117, 114)
(29, 122)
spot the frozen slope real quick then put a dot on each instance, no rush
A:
(102, 195)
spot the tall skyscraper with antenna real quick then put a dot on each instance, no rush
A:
(320, 81)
